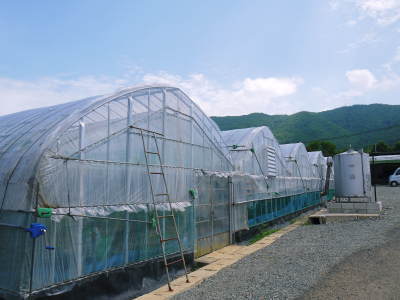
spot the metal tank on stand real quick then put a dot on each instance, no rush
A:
(353, 184)
(352, 177)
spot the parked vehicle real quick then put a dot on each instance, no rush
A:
(394, 179)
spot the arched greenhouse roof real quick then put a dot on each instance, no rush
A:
(316, 157)
(268, 160)
(292, 150)
(26, 135)
(297, 159)
(246, 136)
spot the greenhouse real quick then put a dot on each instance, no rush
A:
(270, 180)
(101, 196)
(255, 151)
(300, 166)
(318, 164)
(86, 161)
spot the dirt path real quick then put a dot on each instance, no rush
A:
(369, 274)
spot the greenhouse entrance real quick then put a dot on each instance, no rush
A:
(212, 214)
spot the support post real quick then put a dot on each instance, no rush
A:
(231, 210)
(128, 175)
(373, 165)
(82, 145)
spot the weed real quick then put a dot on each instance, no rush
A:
(261, 235)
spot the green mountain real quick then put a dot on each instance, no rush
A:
(357, 125)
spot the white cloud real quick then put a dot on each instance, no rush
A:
(384, 12)
(267, 95)
(364, 88)
(334, 4)
(390, 81)
(271, 95)
(249, 95)
(17, 95)
(273, 87)
(366, 39)
(361, 79)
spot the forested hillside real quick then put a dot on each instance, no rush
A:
(356, 125)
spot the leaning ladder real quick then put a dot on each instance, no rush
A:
(165, 194)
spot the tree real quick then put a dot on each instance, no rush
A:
(396, 146)
(314, 146)
(381, 147)
(369, 149)
(327, 148)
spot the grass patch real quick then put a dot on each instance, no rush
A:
(261, 235)
(292, 221)
(308, 223)
(197, 265)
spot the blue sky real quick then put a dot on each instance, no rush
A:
(231, 57)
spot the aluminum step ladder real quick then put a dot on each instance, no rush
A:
(164, 194)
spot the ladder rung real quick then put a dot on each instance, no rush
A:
(174, 262)
(162, 194)
(170, 239)
(156, 173)
(150, 152)
(166, 216)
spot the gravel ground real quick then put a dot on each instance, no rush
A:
(367, 274)
(305, 262)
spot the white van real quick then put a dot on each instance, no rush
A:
(394, 179)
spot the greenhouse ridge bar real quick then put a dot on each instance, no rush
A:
(79, 170)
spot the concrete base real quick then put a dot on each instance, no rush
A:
(323, 217)
(354, 208)
(353, 199)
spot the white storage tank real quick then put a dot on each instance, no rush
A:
(352, 175)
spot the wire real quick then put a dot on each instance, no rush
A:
(100, 217)
(11, 226)
(301, 177)
(259, 165)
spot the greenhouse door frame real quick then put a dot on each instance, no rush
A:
(214, 215)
